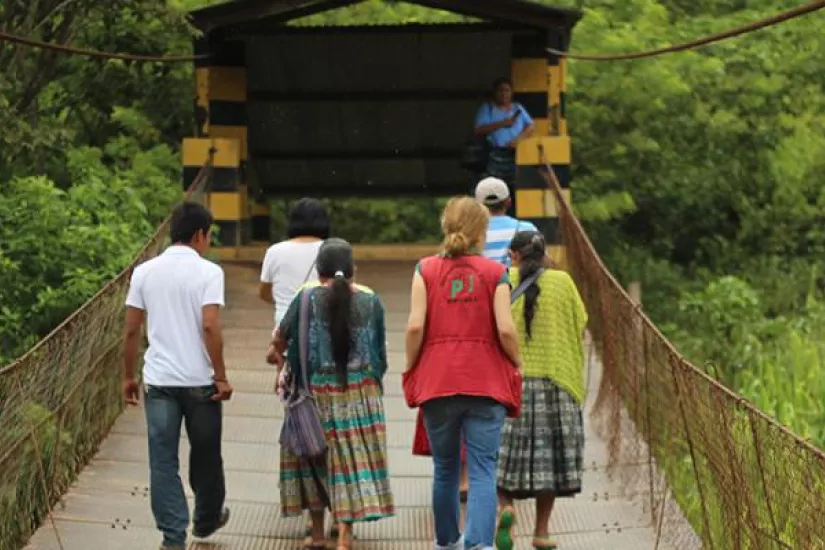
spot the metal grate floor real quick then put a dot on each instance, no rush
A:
(108, 506)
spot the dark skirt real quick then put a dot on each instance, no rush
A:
(542, 451)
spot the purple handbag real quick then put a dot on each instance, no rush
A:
(302, 432)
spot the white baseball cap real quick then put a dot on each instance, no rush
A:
(492, 191)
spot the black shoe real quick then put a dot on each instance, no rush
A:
(206, 533)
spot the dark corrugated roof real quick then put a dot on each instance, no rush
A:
(521, 12)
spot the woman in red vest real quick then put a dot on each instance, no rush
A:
(462, 369)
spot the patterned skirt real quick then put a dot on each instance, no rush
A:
(354, 472)
(542, 451)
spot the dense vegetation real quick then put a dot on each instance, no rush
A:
(722, 151)
(700, 174)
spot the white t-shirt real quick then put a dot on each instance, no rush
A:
(172, 289)
(286, 266)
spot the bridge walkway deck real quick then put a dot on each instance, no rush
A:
(108, 506)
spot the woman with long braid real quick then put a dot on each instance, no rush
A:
(346, 363)
(542, 451)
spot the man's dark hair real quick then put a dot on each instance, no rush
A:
(308, 218)
(187, 219)
(501, 80)
(498, 207)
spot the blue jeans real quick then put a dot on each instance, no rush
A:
(166, 408)
(478, 420)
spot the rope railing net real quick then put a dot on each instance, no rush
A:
(59, 400)
(713, 470)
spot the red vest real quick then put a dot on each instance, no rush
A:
(461, 353)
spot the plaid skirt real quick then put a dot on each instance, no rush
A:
(542, 451)
(354, 474)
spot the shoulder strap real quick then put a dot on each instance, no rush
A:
(524, 285)
(309, 271)
(303, 336)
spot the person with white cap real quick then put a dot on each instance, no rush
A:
(495, 195)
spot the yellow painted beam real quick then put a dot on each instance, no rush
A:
(541, 127)
(234, 132)
(225, 253)
(555, 84)
(563, 74)
(365, 252)
(223, 83)
(539, 203)
(260, 209)
(195, 152)
(229, 205)
(556, 150)
(529, 75)
(361, 252)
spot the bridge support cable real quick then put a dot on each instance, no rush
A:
(72, 50)
(723, 469)
(788, 15)
(62, 396)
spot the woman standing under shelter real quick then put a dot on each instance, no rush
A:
(462, 360)
(346, 363)
(542, 450)
(503, 123)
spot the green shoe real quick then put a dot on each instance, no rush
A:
(504, 532)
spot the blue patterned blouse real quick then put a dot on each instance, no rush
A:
(369, 352)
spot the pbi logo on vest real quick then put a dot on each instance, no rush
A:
(462, 288)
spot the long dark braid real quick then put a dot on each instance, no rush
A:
(335, 262)
(531, 249)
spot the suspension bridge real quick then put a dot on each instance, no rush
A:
(674, 460)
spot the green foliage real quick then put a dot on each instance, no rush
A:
(88, 162)
(60, 246)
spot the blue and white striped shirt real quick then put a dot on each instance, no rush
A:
(500, 232)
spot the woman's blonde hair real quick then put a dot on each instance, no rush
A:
(464, 224)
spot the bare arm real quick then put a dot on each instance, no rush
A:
(415, 323)
(213, 339)
(507, 333)
(265, 292)
(527, 132)
(131, 342)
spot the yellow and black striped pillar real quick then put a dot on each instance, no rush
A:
(220, 107)
(538, 78)
(220, 83)
(226, 197)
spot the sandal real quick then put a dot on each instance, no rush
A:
(504, 531)
(545, 543)
(345, 543)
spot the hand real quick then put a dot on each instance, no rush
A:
(278, 381)
(223, 391)
(131, 391)
(273, 357)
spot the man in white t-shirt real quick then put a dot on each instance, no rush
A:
(290, 264)
(180, 295)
